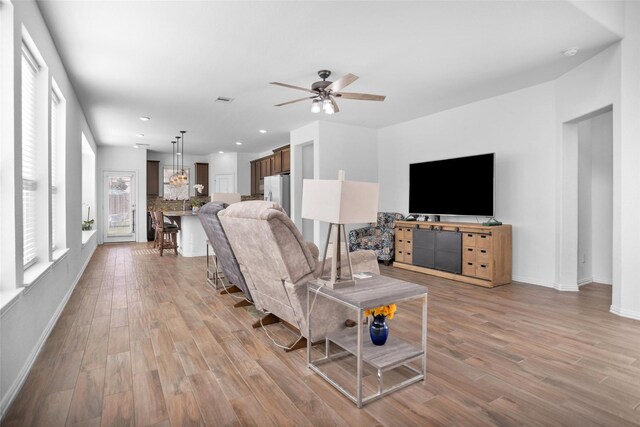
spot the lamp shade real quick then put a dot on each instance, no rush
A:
(228, 198)
(340, 202)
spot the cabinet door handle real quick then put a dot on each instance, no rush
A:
(483, 266)
(483, 251)
(469, 263)
(469, 249)
(483, 237)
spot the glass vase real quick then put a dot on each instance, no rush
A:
(379, 330)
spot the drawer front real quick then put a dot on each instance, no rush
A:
(399, 255)
(483, 241)
(483, 255)
(469, 239)
(469, 254)
(399, 232)
(408, 244)
(408, 233)
(408, 257)
(484, 270)
(469, 268)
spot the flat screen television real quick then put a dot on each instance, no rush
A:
(460, 186)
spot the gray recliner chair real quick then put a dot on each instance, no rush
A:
(208, 215)
(277, 263)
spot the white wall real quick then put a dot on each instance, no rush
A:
(244, 172)
(124, 159)
(595, 199)
(585, 222)
(602, 198)
(519, 128)
(166, 161)
(626, 152)
(335, 147)
(28, 314)
(222, 164)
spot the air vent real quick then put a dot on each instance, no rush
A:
(224, 100)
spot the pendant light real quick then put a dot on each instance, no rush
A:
(175, 178)
(184, 179)
(172, 180)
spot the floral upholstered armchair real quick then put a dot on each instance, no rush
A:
(379, 237)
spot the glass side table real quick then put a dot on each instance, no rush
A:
(369, 293)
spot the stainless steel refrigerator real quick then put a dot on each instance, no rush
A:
(277, 189)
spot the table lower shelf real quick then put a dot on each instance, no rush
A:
(393, 353)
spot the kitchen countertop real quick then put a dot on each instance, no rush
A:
(179, 213)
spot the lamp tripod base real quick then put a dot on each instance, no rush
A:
(335, 280)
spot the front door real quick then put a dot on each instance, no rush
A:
(119, 207)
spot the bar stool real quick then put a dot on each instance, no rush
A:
(166, 234)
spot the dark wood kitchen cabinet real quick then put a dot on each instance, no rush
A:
(202, 177)
(153, 177)
(277, 163)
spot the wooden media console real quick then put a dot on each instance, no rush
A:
(484, 252)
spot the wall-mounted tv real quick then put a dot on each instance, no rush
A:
(460, 186)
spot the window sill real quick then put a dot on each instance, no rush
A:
(35, 273)
(8, 298)
(59, 254)
(86, 235)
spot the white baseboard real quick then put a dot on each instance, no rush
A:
(603, 280)
(631, 314)
(585, 281)
(566, 288)
(17, 384)
(532, 281)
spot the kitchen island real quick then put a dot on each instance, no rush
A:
(192, 240)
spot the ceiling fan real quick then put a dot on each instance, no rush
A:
(324, 93)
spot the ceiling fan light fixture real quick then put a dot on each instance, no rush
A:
(316, 106)
(327, 106)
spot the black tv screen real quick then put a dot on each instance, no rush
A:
(460, 186)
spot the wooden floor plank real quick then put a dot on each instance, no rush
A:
(144, 340)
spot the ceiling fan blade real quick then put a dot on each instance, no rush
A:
(296, 100)
(292, 87)
(335, 105)
(342, 82)
(360, 96)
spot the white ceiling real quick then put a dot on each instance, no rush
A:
(170, 59)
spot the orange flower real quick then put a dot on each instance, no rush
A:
(385, 310)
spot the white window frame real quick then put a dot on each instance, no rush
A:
(38, 179)
(57, 213)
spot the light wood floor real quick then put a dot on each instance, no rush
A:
(144, 341)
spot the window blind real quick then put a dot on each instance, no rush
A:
(29, 176)
(55, 116)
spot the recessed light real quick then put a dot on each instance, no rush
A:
(238, 143)
(178, 154)
(136, 146)
(140, 135)
(262, 131)
(572, 51)
(220, 152)
(145, 118)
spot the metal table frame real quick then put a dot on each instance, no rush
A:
(358, 399)
(214, 275)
